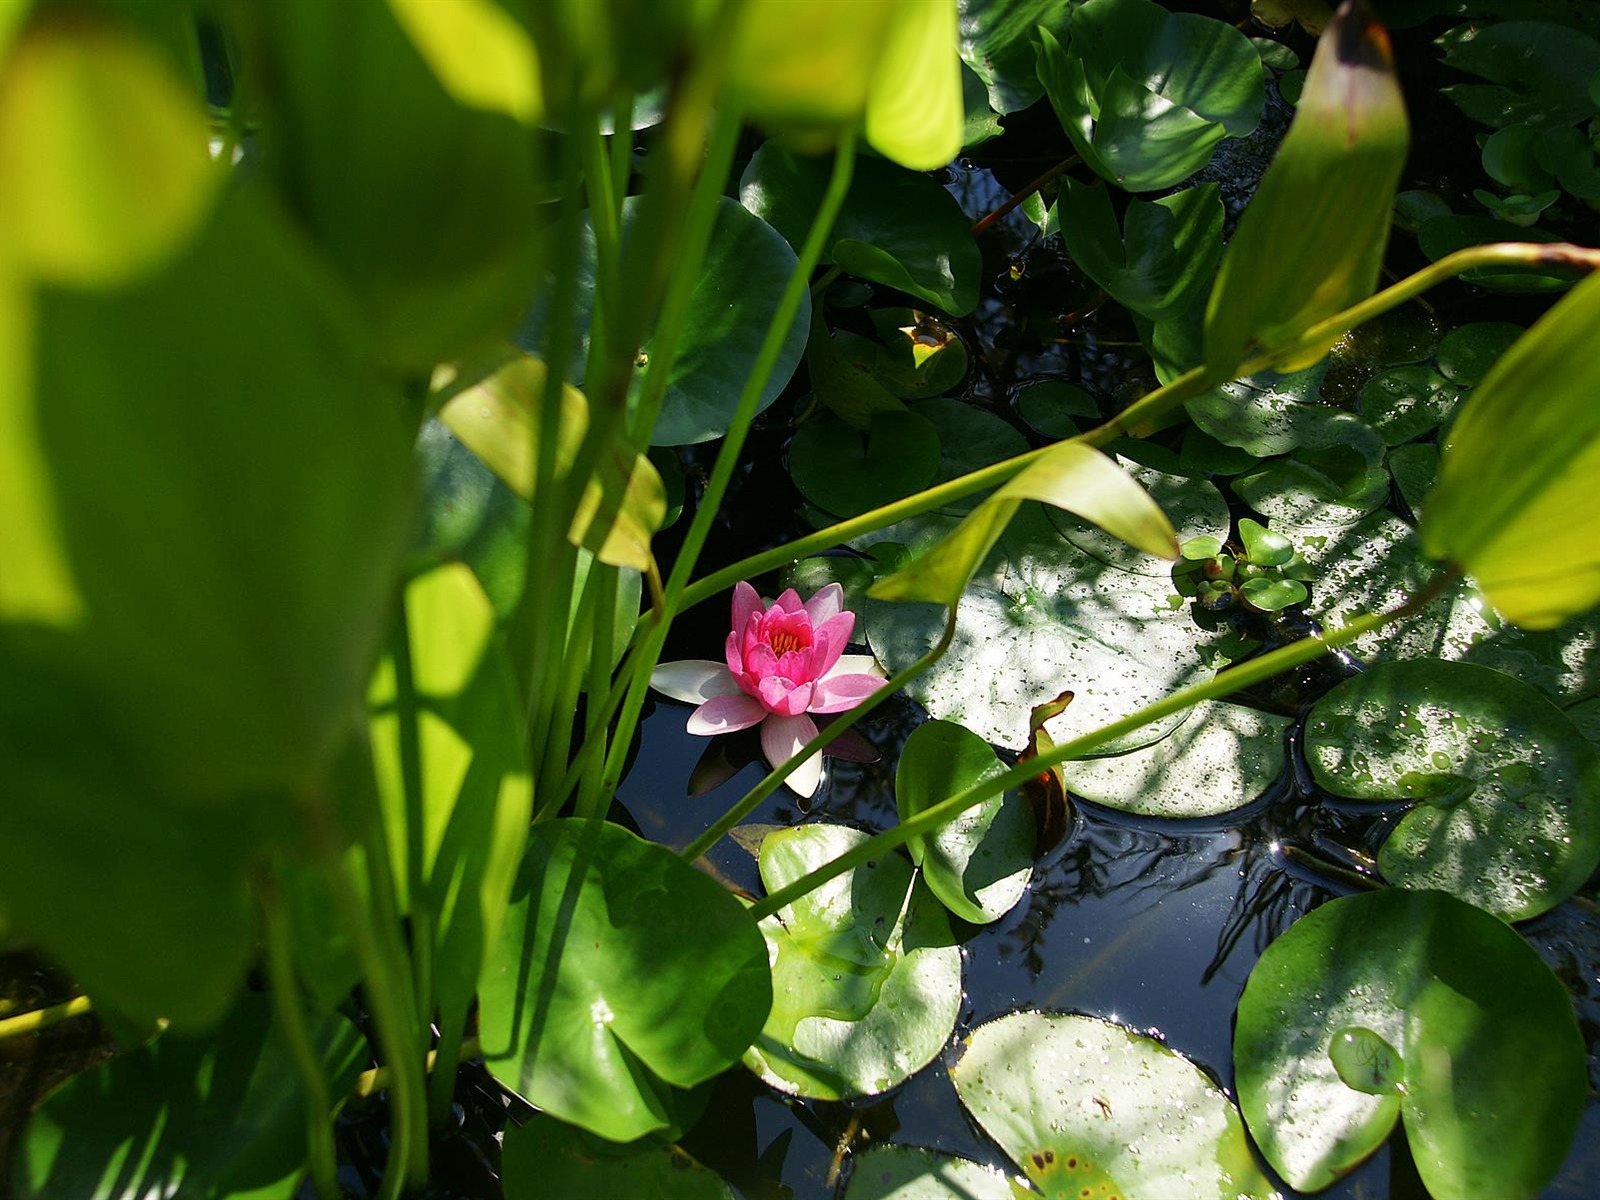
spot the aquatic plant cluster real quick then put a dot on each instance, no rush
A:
(375, 377)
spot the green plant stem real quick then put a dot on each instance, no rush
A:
(376, 1079)
(43, 1018)
(727, 456)
(407, 718)
(774, 778)
(1242, 676)
(600, 654)
(291, 1018)
(569, 683)
(604, 213)
(989, 220)
(442, 1063)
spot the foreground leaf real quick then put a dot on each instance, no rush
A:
(620, 970)
(1491, 1063)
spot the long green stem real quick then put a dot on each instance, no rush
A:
(43, 1018)
(1226, 683)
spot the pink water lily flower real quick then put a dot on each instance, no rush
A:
(782, 663)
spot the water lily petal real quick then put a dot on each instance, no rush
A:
(856, 664)
(789, 601)
(785, 697)
(826, 604)
(839, 692)
(730, 652)
(724, 714)
(759, 660)
(781, 737)
(694, 680)
(828, 642)
(746, 602)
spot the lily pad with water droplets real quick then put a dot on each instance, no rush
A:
(1223, 757)
(1487, 1067)
(1406, 402)
(1079, 1102)
(912, 1173)
(866, 977)
(1509, 791)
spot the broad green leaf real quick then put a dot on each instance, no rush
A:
(104, 169)
(1329, 485)
(912, 1173)
(915, 115)
(1312, 240)
(1049, 406)
(1071, 476)
(1414, 468)
(457, 826)
(1195, 508)
(1223, 757)
(1508, 791)
(1263, 546)
(999, 41)
(1538, 72)
(866, 977)
(1515, 504)
(897, 227)
(1171, 247)
(481, 55)
(742, 278)
(845, 472)
(969, 438)
(620, 970)
(1406, 402)
(1468, 351)
(498, 418)
(209, 1118)
(842, 385)
(980, 863)
(1273, 595)
(916, 355)
(1272, 414)
(1491, 1060)
(544, 1158)
(1076, 1101)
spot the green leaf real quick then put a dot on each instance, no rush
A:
(1273, 595)
(1509, 791)
(104, 172)
(1515, 504)
(897, 228)
(969, 438)
(458, 826)
(912, 1173)
(980, 863)
(1414, 469)
(1195, 508)
(544, 1158)
(186, 1118)
(1223, 757)
(1406, 402)
(866, 977)
(1078, 1100)
(1538, 72)
(1468, 351)
(838, 470)
(479, 53)
(1070, 475)
(915, 114)
(1490, 1056)
(917, 354)
(1312, 240)
(1172, 245)
(1262, 546)
(1050, 405)
(619, 970)
(999, 43)
(845, 387)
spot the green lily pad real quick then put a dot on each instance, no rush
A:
(746, 268)
(1223, 757)
(1414, 469)
(980, 863)
(912, 1173)
(1273, 595)
(866, 976)
(1509, 791)
(1194, 506)
(1490, 1058)
(1337, 485)
(617, 978)
(969, 438)
(1267, 414)
(544, 1158)
(897, 227)
(1468, 351)
(1050, 405)
(1406, 402)
(1080, 1100)
(1538, 72)
(845, 472)
(186, 1118)
(916, 354)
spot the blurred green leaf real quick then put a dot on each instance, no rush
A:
(915, 114)
(481, 55)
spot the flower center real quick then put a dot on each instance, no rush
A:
(784, 642)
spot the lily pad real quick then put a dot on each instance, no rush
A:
(1073, 1098)
(1266, 414)
(980, 863)
(1509, 791)
(620, 970)
(1468, 351)
(1490, 1058)
(1330, 485)
(1442, 235)
(866, 976)
(1194, 506)
(1414, 469)
(1406, 402)
(969, 438)
(912, 1173)
(897, 227)
(746, 268)
(845, 472)
(1223, 757)
(545, 1158)
(1050, 405)
(186, 1118)
(916, 354)
(1538, 72)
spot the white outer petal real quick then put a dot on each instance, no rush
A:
(780, 738)
(693, 680)
(856, 664)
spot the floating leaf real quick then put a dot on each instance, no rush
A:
(1050, 405)
(1442, 235)
(1330, 485)
(544, 1158)
(1490, 1061)
(840, 470)
(620, 970)
(917, 354)
(980, 863)
(1406, 402)
(1312, 240)
(866, 976)
(1515, 504)
(912, 1173)
(1414, 469)
(1468, 351)
(847, 388)
(1195, 508)
(1509, 792)
(1080, 1100)
(896, 227)
(969, 438)
(1538, 72)
(185, 1118)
